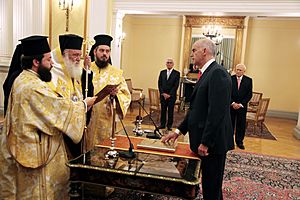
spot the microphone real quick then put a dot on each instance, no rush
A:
(138, 128)
(130, 153)
(156, 133)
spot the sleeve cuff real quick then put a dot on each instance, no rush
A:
(85, 106)
(177, 131)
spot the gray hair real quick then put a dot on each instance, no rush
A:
(209, 45)
(241, 65)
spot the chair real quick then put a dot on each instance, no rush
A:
(178, 103)
(136, 94)
(258, 117)
(254, 101)
(154, 100)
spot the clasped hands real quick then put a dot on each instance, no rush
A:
(166, 96)
(171, 138)
(236, 106)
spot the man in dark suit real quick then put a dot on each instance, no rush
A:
(168, 83)
(241, 95)
(208, 119)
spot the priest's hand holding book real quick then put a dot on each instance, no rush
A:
(89, 102)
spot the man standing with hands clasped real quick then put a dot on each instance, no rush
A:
(168, 83)
(208, 119)
(241, 95)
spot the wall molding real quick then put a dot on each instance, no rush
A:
(282, 114)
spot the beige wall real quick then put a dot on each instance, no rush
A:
(76, 21)
(148, 42)
(272, 55)
(273, 61)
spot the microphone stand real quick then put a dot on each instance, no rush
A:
(156, 133)
(112, 155)
(138, 122)
(130, 154)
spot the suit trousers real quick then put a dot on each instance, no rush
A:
(167, 105)
(212, 167)
(238, 119)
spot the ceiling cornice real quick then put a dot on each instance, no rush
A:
(275, 8)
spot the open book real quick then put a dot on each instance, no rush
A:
(157, 145)
(105, 92)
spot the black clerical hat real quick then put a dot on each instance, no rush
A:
(102, 40)
(70, 41)
(35, 45)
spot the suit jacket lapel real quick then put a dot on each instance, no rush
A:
(203, 77)
(234, 82)
(164, 74)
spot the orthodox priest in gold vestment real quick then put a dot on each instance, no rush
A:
(66, 77)
(66, 71)
(100, 125)
(32, 151)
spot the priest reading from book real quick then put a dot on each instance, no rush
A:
(66, 77)
(100, 125)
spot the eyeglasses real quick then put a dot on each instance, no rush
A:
(169, 62)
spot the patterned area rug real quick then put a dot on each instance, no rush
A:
(178, 117)
(247, 176)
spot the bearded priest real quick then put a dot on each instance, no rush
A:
(66, 77)
(100, 125)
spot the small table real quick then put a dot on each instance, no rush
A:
(175, 174)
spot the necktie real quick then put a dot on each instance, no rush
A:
(199, 74)
(239, 82)
(168, 74)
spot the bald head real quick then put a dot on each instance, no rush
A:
(202, 51)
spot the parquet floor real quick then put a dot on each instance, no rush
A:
(286, 144)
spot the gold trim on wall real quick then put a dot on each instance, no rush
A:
(50, 22)
(85, 38)
(231, 22)
(81, 32)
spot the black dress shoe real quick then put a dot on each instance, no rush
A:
(161, 127)
(241, 146)
(169, 129)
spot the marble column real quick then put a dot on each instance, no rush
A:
(297, 128)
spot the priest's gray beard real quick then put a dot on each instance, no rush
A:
(73, 68)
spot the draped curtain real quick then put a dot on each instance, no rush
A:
(224, 51)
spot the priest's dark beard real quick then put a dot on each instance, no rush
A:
(101, 64)
(44, 72)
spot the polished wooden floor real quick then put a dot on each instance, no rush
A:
(286, 144)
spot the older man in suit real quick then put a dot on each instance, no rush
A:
(241, 95)
(208, 119)
(168, 83)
